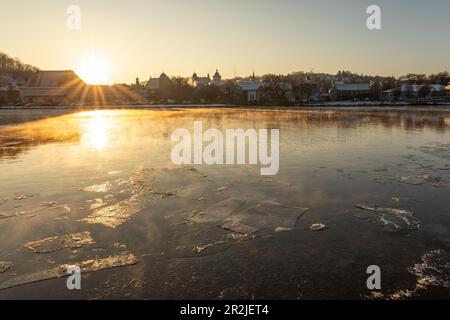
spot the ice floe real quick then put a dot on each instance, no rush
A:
(393, 219)
(114, 261)
(5, 266)
(52, 244)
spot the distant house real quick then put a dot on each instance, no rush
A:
(252, 90)
(350, 91)
(413, 91)
(160, 87)
(52, 88)
(447, 90)
(159, 83)
(197, 81)
(308, 91)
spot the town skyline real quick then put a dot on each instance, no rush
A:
(217, 70)
(146, 37)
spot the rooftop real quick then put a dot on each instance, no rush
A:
(352, 86)
(54, 79)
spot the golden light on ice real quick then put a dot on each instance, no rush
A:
(96, 130)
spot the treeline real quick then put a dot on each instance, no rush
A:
(287, 89)
(14, 67)
(442, 78)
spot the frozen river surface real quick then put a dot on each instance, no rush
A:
(98, 189)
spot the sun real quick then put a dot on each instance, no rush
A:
(94, 70)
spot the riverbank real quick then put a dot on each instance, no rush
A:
(327, 107)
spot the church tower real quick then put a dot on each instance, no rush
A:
(217, 78)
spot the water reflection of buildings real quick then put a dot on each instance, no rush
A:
(96, 130)
(66, 88)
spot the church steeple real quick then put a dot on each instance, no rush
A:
(217, 78)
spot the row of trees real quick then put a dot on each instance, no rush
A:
(278, 89)
(295, 87)
(15, 68)
(442, 78)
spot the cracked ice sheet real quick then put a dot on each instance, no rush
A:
(99, 188)
(52, 244)
(148, 185)
(45, 207)
(219, 212)
(271, 214)
(267, 214)
(117, 214)
(168, 180)
(121, 260)
(239, 228)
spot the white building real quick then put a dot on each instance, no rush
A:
(251, 90)
(197, 81)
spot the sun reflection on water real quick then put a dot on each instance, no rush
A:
(96, 129)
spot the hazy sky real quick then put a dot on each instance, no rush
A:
(145, 37)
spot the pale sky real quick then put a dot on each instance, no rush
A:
(145, 37)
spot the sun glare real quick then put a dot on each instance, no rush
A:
(96, 129)
(94, 70)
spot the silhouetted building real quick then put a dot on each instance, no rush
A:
(350, 91)
(52, 88)
(251, 90)
(197, 81)
(217, 78)
(160, 87)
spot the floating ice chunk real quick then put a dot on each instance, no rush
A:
(317, 227)
(121, 260)
(100, 188)
(438, 150)
(199, 249)
(441, 184)
(5, 266)
(434, 270)
(271, 214)
(239, 228)
(416, 181)
(97, 203)
(394, 219)
(281, 229)
(115, 215)
(52, 244)
(160, 180)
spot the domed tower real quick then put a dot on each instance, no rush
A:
(217, 78)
